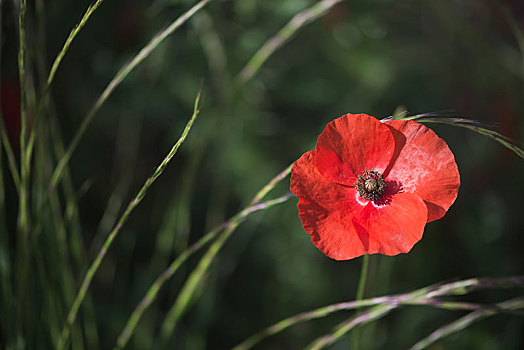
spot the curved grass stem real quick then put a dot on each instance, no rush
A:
(466, 321)
(423, 296)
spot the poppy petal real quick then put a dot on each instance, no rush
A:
(424, 165)
(357, 229)
(332, 231)
(307, 182)
(392, 228)
(351, 144)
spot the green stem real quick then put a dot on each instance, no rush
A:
(109, 240)
(363, 277)
(360, 295)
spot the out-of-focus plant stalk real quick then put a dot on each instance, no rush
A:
(298, 21)
(112, 235)
(13, 167)
(23, 214)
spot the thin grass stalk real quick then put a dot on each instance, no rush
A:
(23, 214)
(41, 103)
(271, 184)
(466, 321)
(472, 125)
(22, 254)
(367, 316)
(11, 161)
(416, 297)
(381, 310)
(503, 140)
(152, 292)
(74, 32)
(298, 21)
(112, 235)
(115, 82)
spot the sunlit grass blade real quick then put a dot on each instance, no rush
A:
(74, 32)
(115, 82)
(112, 235)
(41, 103)
(298, 21)
(343, 328)
(234, 221)
(466, 321)
(422, 296)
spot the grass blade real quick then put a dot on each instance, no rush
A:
(112, 235)
(466, 321)
(298, 21)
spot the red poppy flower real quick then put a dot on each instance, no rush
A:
(370, 187)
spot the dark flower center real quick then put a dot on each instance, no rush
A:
(370, 185)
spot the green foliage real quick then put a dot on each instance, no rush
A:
(101, 107)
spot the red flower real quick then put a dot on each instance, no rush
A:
(370, 187)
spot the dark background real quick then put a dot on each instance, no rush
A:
(362, 57)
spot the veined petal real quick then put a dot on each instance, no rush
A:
(424, 165)
(391, 228)
(332, 231)
(307, 182)
(362, 227)
(351, 144)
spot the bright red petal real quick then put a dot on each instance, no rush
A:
(332, 231)
(351, 144)
(308, 183)
(360, 228)
(425, 166)
(392, 228)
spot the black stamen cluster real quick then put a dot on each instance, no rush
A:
(370, 185)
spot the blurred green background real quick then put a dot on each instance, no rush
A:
(362, 57)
